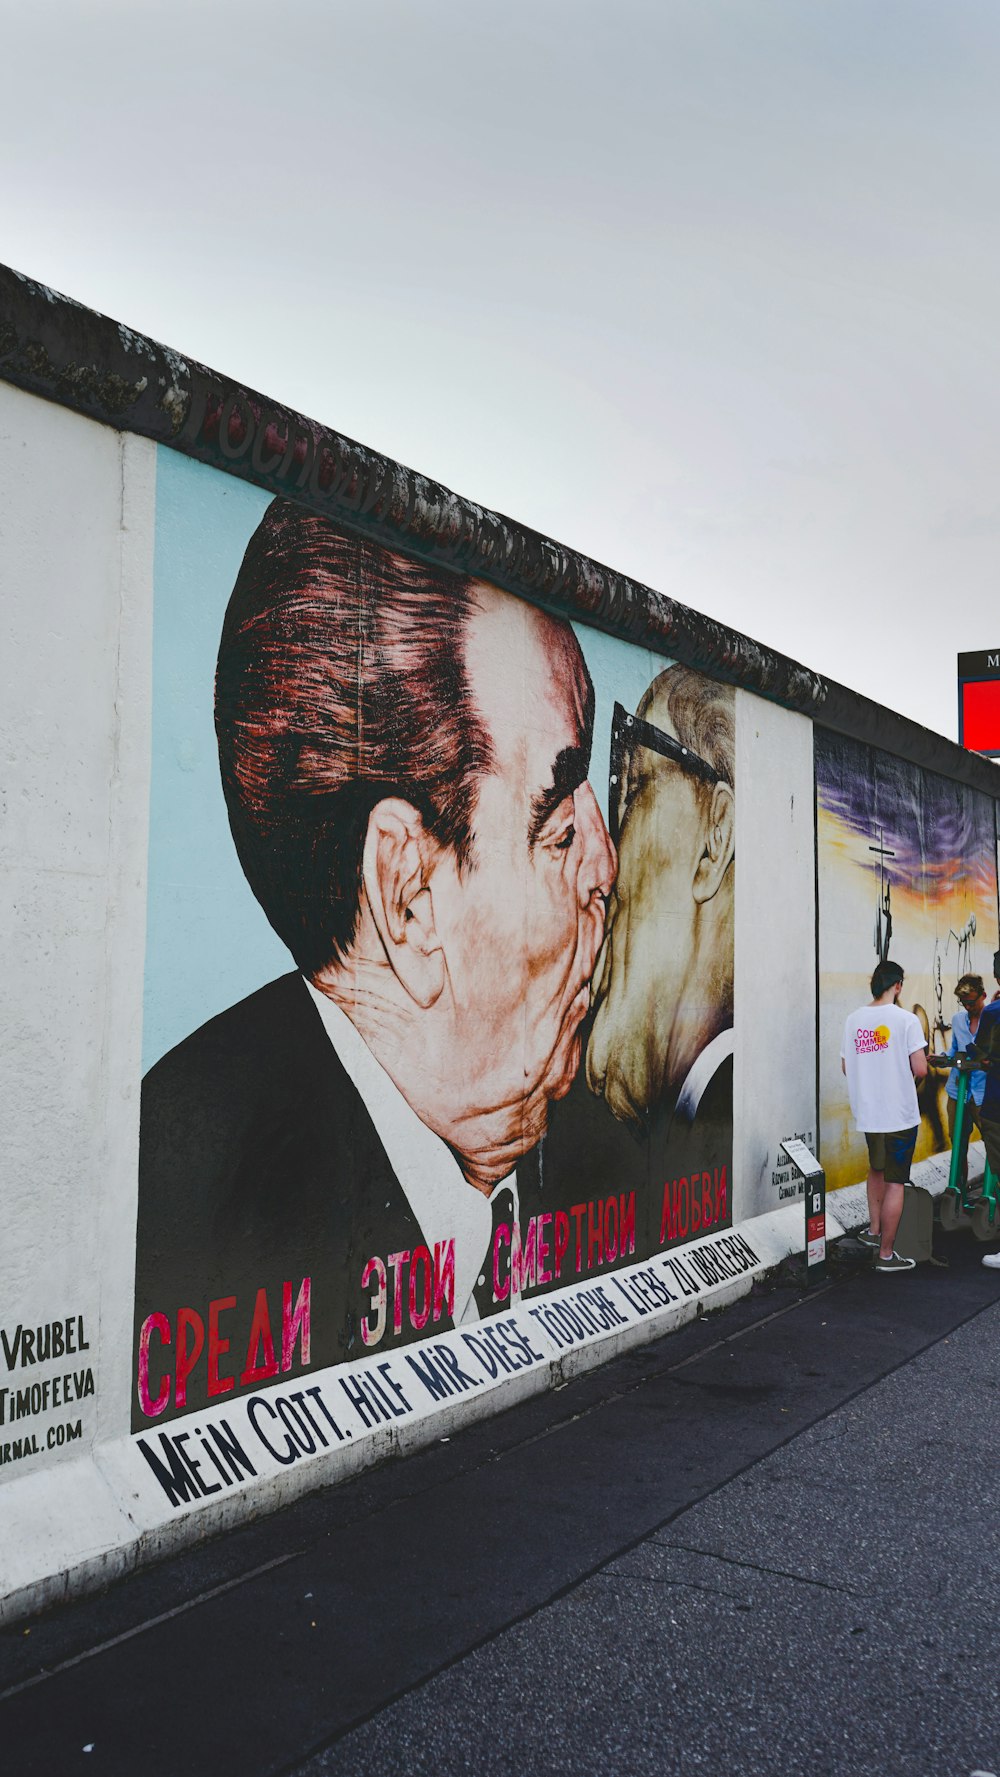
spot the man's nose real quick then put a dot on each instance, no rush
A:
(599, 864)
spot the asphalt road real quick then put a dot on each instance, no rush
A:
(764, 1544)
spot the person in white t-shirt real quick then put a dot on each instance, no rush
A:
(884, 1054)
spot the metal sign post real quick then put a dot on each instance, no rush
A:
(814, 1180)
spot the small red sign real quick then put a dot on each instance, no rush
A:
(981, 716)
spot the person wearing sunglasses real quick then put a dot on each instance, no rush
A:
(661, 1044)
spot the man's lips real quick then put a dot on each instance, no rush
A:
(576, 1011)
(585, 981)
(578, 1003)
(581, 1001)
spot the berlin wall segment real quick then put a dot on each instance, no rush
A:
(497, 1120)
(457, 1049)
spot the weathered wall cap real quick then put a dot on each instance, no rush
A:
(58, 349)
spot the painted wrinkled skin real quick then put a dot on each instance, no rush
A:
(470, 986)
(663, 984)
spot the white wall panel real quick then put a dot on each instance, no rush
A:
(775, 998)
(76, 528)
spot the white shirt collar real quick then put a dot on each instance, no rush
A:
(434, 1185)
(703, 1068)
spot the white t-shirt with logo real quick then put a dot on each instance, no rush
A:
(878, 1043)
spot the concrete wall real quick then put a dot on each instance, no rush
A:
(133, 934)
(76, 565)
(775, 952)
(76, 542)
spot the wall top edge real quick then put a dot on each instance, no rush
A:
(54, 347)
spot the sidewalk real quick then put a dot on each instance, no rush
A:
(754, 1547)
(832, 1609)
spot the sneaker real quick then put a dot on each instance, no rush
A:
(865, 1237)
(894, 1263)
(992, 1261)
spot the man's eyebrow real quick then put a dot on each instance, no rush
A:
(569, 770)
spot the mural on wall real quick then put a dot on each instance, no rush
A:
(907, 871)
(659, 1051)
(502, 1059)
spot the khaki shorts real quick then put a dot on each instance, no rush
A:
(891, 1153)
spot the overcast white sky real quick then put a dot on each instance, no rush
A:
(709, 289)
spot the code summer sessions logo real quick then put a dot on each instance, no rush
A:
(870, 1042)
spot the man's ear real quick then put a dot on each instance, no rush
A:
(395, 873)
(719, 843)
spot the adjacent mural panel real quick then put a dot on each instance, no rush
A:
(495, 854)
(907, 870)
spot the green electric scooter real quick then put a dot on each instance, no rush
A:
(960, 1209)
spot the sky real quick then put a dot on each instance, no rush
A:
(707, 289)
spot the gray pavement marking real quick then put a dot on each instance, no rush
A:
(741, 1332)
(781, 1573)
(179, 1610)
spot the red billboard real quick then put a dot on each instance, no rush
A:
(979, 702)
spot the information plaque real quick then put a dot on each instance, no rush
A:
(810, 1170)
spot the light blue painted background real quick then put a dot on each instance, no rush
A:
(621, 673)
(207, 942)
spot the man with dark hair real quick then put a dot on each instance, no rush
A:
(341, 679)
(404, 755)
(883, 1055)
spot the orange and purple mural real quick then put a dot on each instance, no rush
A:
(906, 871)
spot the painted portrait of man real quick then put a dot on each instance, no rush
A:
(661, 1044)
(404, 755)
(652, 1110)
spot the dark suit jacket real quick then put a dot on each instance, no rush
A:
(698, 1150)
(260, 1166)
(589, 1154)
